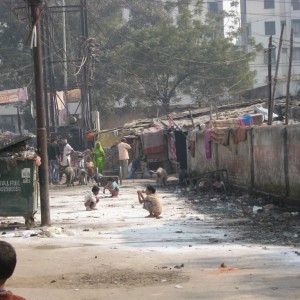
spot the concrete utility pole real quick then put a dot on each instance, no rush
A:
(270, 114)
(87, 106)
(276, 71)
(36, 14)
(289, 78)
(49, 86)
(63, 4)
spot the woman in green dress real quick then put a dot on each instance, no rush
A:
(98, 157)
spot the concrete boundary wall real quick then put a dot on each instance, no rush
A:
(268, 161)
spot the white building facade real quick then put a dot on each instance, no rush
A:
(208, 6)
(261, 19)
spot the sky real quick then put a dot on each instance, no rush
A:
(227, 7)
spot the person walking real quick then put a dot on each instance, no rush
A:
(123, 148)
(54, 160)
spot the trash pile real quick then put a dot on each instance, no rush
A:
(252, 218)
(16, 148)
(46, 233)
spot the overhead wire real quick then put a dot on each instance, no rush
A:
(128, 38)
(175, 58)
(57, 51)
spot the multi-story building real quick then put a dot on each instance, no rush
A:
(209, 6)
(261, 19)
(179, 6)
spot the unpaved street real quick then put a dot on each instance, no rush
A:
(196, 251)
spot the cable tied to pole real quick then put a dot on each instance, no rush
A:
(33, 34)
(33, 42)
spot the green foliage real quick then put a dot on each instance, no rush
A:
(140, 53)
(153, 59)
(15, 55)
(16, 62)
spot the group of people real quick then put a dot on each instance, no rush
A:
(148, 197)
(58, 159)
(92, 198)
(91, 159)
(8, 257)
(151, 201)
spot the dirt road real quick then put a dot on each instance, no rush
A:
(116, 253)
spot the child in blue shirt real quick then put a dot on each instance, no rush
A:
(112, 186)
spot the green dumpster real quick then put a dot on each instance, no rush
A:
(18, 189)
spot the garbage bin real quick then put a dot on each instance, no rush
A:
(18, 188)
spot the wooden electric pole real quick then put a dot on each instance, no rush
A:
(36, 15)
(289, 79)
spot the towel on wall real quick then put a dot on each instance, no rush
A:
(239, 135)
(218, 135)
(233, 122)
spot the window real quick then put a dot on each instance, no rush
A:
(273, 57)
(269, 4)
(213, 7)
(296, 4)
(284, 50)
(270, 28)
(248, 30)
(183, 6)
(296, 54)
(296, 27)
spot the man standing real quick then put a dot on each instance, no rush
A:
(54, 160)
(66, 156)
(123, 148)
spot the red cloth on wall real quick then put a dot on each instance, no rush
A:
(152, 140)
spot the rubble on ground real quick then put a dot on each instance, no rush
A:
(257, 219)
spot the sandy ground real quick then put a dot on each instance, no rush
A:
(116, 253)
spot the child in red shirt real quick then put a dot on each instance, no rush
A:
(8, 261)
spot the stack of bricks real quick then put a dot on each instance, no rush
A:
(144, 166)
(175, 167)
(111, 160)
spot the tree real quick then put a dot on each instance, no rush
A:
(138, 54)
(15, 54)
(157, 61)
(111, 28)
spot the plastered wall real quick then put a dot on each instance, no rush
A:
(268, 161)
